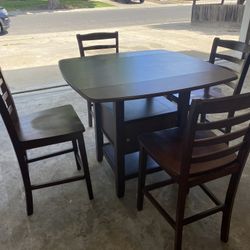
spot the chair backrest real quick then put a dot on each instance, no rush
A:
(81, 38)
(235, 56)
(219, 149)
(8, 110)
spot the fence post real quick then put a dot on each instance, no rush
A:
(193, 10)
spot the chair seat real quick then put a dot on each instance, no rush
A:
(165, 147)
(55, 123)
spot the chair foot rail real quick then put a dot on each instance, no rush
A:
(159, 184)
(58, 182)
(210, 195)
(160, 209)
(50, 155)
(202, 215)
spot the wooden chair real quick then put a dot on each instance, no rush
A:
(40, 129)
(197, 155)
(233, 55)
(81, 39)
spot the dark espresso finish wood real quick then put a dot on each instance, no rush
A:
(135, 75)
(98, 37)
(139, 116)
(112, 37)
(40, 129)
(195, 155)
(126, 90)
(123, 121)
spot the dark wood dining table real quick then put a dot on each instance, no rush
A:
(118, 78)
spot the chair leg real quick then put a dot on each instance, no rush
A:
(141, 178)
(89, 114)
(75, 148)
(85, 165)
(229, 201)
(26, 181)
(180, 210)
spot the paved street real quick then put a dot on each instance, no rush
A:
(48, 22)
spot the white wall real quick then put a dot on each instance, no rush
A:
(245, 26)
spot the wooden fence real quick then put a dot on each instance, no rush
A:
(217, 12)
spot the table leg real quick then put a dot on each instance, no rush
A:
(98, 132)
(183, 107)
(119, 158)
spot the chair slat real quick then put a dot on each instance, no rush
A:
(97, 36)
(3, 87)
(220, 106)
(10, 109)
(229, 58)
(233, 45)
(94, 47)
(216, 155)
(220, 139)
(223, 123)
(5, 96)
(8, 100)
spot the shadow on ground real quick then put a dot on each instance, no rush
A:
(217, 29)
(196, 53)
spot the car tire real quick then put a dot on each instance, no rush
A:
(141, 1)
(1, 29)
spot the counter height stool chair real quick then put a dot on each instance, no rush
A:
(52, 126)
(233, 55)
(197, 155)
(230, 54)
(83, 39)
